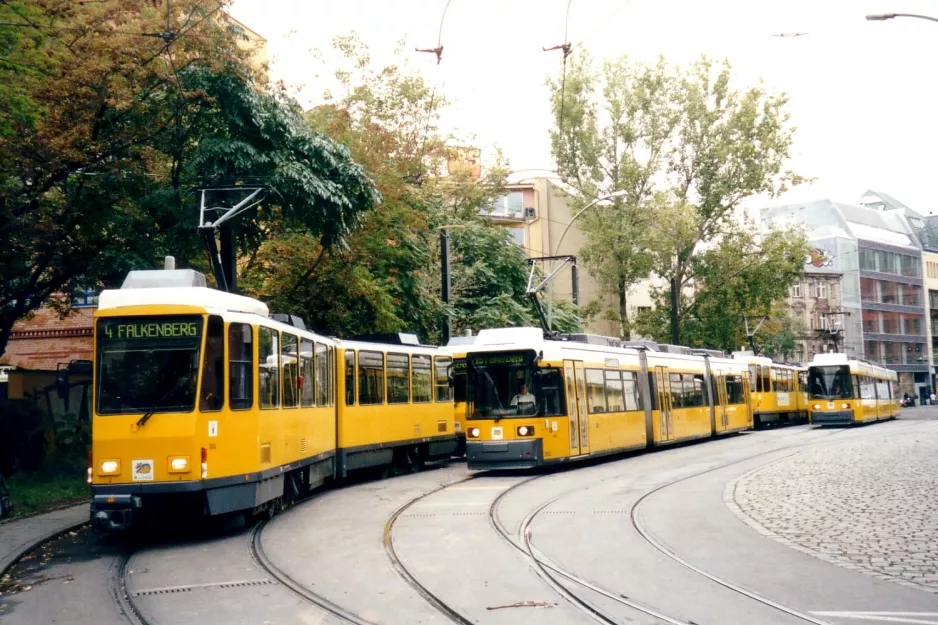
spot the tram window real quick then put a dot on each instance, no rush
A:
(441, 368)
(765, 379)
(753, 376)
(614, 391)
(460, 380)
(268, 367)
(307, 374)
(398, 379)
(370, 378)
(330, 375)
(240, 366)
(595, 391)
(630, 388)
(421, 378)
(291, 370)
(734, 390)
(857, 391)
(677, 391)
(321, 367)
(212, 396)
(693, 390)
(350, 378)
(652, 391)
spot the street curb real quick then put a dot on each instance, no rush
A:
(8, 561)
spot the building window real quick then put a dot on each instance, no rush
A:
(822, 289)
(517, 235)
(867, 259)
(511, 203)
(796, 290)
(640, 310)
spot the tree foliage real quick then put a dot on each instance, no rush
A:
(112, 128)
(683, 147)
(386, 277)
(742, 276)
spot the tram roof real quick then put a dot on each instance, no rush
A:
(200, 296)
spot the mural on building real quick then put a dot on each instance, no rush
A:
(820, 258)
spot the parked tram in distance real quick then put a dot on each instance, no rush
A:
(456, 348)
(203, 404)
(775, 389)
(535, 401)
(843, 391)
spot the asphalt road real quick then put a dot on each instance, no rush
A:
(790, 525)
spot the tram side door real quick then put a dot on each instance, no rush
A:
(663, 384)
(721, 402)
(573, 410)
(576, 407)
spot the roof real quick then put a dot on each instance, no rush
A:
(200, 296)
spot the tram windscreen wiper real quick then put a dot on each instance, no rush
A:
(149, 413)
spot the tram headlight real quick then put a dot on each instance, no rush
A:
(179, 464)
(474, 432)
(845, 405)
(817, 406)
(109, 467)
(525, 430)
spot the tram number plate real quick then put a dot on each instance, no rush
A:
(830, 405)
(497, 434)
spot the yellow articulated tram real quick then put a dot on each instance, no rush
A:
(843, 391)
(203, 404)
(533, 401)
(775, 389)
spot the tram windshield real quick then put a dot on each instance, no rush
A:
(512, 385)
(830, 382)
(147, 364)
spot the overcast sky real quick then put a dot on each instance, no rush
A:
(863, 94)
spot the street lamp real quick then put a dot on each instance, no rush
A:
(882, 17)
(611, 196)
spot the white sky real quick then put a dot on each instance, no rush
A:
(863, 94)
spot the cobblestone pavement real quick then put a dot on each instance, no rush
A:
(869, 505)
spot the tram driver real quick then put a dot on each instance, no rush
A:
(524, 401)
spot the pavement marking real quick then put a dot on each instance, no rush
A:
(455, 503)
(911, 618)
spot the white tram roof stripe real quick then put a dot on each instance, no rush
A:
(200, 296)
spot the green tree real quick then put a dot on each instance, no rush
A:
(685, 146)
(742, 276)
(611, 137)
(97, 181)
(386, 276)
(779, 335)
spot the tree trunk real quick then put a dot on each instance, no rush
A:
(623, 311)
(675, 303)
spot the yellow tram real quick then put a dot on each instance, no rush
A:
(204, 404)
(775, 389)
(534, 401)
(843, 391)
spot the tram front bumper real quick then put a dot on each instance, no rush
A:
(525, 454)
(840, 417)
(114, 513)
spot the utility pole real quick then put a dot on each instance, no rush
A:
(445, 286)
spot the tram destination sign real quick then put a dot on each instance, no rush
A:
(509, 358)
(149, 328)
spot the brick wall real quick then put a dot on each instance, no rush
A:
(45, 339)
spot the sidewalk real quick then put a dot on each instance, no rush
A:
(19, 536)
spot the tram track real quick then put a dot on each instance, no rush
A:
(117, 588)
(553, 573)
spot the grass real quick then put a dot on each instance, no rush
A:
(33, 493)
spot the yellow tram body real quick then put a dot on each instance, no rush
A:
(534, 401)
(844, 392)
(776, 390)
(204, 404)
